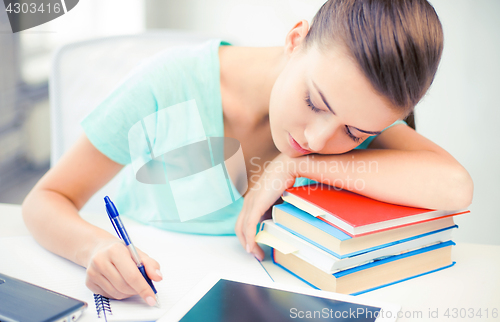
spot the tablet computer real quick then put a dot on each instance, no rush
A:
(229, 299)
(22, 301)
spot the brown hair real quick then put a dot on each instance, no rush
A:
(396, 43)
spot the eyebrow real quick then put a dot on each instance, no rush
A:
(327, 105)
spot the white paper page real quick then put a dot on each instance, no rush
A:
(184, 259)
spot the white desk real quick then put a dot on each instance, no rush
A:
(472, 285)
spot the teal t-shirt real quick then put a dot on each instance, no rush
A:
(171, 77)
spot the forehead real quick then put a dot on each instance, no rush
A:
(347, 90)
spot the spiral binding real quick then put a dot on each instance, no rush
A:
(102, 306)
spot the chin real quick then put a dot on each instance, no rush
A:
(297, 155)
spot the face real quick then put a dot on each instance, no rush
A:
(322, 103)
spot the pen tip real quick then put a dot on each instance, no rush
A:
(157, 301)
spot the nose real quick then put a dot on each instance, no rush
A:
(319, 133)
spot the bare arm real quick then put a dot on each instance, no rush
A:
(50, 212)
(401, 167)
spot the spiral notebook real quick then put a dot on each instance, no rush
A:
(185, 260)
(131, 309)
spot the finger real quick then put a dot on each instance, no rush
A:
(96, 289)
(133, 277)
(238, 229)
(95, 275)
(115, 278)
(249, 232)
(109, 289)
(106, 266)
(152, 267)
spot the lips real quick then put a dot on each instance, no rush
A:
(296, 146)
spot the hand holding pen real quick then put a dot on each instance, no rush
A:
(122, 233)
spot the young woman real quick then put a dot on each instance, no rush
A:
(336, 92)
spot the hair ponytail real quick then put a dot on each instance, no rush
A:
(396, 43)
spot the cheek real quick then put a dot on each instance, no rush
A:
(282, 113)
(275, 119)
(274, 108)
(287, 102)
(279, 103)
(340, 144)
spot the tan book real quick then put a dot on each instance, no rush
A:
(370, 276)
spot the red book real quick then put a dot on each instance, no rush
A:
(357, 215)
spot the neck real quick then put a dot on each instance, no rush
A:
(247, 78)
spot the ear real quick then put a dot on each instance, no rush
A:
(296, 36)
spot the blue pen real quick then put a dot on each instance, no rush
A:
(122, 233)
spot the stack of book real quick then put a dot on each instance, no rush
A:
(343, 242)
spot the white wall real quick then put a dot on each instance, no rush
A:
(460, 112)
(242, 22)
(89, 19)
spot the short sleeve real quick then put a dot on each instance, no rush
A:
(369, 140)
(302, 181)
(107, 126)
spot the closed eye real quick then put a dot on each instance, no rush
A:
(311, 105)
(317, 110)
(352, 136)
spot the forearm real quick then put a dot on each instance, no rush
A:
(54, 222)
(413, 178)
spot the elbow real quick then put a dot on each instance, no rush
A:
(26, 209)
(460, 189)
(31, 209)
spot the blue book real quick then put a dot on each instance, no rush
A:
(279, 238)
(341, 245)
(371, 276)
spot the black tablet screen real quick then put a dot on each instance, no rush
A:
(234, 301)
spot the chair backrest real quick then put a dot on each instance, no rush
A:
(84, 73)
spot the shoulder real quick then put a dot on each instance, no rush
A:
(180, 69)
(173, 76)
(403, 137)
(368, 142)
(189, 57)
